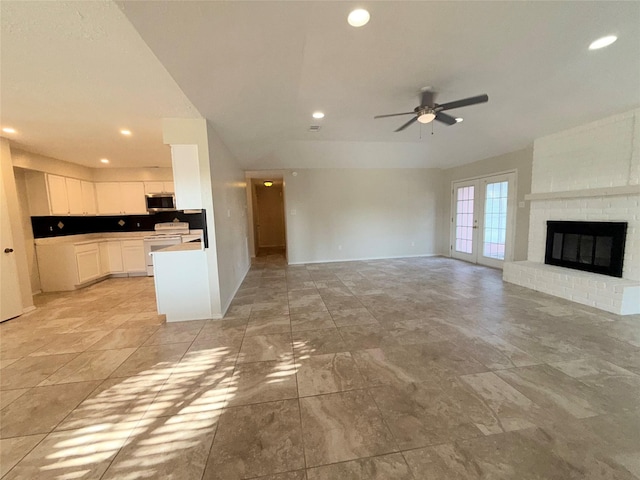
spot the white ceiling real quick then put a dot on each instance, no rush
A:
(75, 73)
(257, 70)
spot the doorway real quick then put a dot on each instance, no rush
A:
(483, 219)
(268, 219)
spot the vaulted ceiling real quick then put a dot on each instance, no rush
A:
(257, 70)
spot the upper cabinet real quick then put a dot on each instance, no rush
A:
(116, 198)
(89, 197)
(55, 195)
(158, 187)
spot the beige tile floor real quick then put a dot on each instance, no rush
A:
(392, 369)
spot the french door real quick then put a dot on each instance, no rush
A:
(483, 219)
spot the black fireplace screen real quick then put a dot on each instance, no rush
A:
(591, 246)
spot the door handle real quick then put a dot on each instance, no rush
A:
(8, 250)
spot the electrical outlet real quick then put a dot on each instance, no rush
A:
(293, 211)
(339, 247)
(413, 244)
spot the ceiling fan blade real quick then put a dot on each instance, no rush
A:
(413, 120)
(394, 115)
(444, 118)
(465, 102)
(427, 98)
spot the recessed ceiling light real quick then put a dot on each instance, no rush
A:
(104, 160)
(459, 119)
(358, 17)
(318, 115)
(602, 42)
(125, 132)
(268, 183)
(9, 130)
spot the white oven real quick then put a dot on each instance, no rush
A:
(165, 235)
(158, 242)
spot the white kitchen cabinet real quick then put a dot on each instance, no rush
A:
(111, 257)
(88, 198)
(74, 196)
(67, 266)
(133, 258)
(88, 262)
(55, 195)
(108, 198)
(158, 187)
(115, 257)
(104, 258)
(133, 201)
(58, 199)
(116, 198)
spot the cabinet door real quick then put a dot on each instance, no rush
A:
(168, 187)
(58, 202)
(115, 257)
(153, 187)
(104, 258)
(109, 198)
(133, 256)
(88, 198)
(74, 196)
(133, 197)
(88, 262)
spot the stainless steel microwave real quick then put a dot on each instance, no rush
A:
(160, 202)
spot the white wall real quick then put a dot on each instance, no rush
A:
(520, 161)
(15, 218)
(578, 162)
(27, 229)
(349, 214)
(230, 215)
(42, 163)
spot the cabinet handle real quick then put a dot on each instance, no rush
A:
(8, 250)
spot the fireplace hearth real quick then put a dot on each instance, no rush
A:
(596, 247)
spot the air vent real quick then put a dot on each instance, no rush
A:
(314, 128)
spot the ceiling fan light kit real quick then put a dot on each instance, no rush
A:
(429, 111)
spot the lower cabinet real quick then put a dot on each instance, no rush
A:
(133, 256)
(88, 262)
(111, 257)
(68, 266)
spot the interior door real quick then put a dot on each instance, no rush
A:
(11, 303)
(483, 219)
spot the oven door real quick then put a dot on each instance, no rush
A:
(153, 244)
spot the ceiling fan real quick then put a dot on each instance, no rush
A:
(428, 110)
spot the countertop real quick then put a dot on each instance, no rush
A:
(91, 237)
(85, 238)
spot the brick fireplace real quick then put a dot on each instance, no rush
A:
(587, 174)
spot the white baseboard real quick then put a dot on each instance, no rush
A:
(365, 259)
(231, 297)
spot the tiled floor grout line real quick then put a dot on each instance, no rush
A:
(295, 362)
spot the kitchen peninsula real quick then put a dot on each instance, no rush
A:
(182, 282)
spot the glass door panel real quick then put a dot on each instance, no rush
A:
(464, 221)
(495, 220)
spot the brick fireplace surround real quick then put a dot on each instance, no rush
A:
(588, 173)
